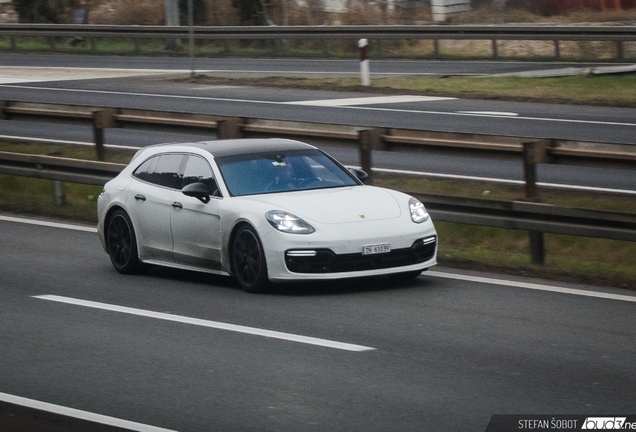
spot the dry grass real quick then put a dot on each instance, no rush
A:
(126, 12)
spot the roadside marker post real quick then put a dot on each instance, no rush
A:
(364, 62)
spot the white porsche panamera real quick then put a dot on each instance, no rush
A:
(261, 210)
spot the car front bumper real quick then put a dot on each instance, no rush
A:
(338, 254)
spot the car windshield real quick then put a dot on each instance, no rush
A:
(282, 171)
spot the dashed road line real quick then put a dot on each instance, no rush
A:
(368, 101)
(73, 227)
(531, 286)
(210, 324)
(79, 414)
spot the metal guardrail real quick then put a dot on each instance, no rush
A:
(487, 32)
(554, 151)
(518, 215)
(529, 216)
(58, 169)
(618, 34)
(532, 216)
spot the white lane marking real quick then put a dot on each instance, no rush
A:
(454, 114)
(79, 414)
(19, 80)
(506, 181)
(48, 224)
(368, 100)
(491, 113)
(206, 323)
(55, 141)
(532, 286)
(33, 74)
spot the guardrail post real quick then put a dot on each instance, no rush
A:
(368, 140)
(557, 50)
(325, 48)
(3, 105)
(495, 53)
(102, 119)
(13, 43)
(530, 170)
(229, 128)
(59, 193)
(136, 41)
(93, 45)
(534, 152)
(537, 248)
(436, 48)
(619, 50)
(378, 48)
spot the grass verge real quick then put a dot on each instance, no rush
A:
(605, 90)
(568, 258)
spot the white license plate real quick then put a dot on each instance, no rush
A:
(376, 249)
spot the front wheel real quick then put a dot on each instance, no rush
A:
(248, 260)
(121, 243)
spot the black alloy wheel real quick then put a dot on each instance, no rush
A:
(121, 243)
(248, 260)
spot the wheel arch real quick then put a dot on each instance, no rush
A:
(230, 242)
(109, 214)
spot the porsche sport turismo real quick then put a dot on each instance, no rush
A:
(261, 210)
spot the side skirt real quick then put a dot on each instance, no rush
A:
(186, 267)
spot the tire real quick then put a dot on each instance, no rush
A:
(248, 261)
(406, 276)
(121, 243)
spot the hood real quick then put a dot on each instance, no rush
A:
(338, 205)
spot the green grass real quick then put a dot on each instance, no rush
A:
(35, 196)
(608, 90)
(579, 259)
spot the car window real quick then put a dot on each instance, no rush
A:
(285, 171)
(197, 169)
(162, 170)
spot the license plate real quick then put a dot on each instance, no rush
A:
(376, 249)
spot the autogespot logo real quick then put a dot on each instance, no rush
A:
(605, 423)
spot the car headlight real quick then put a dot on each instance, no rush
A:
(288, 223)
(418, 211)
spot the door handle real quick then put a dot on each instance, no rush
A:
(140, 197)
(177, 205)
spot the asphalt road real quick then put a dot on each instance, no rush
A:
(438, 353)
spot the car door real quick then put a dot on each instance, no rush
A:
(196, 226)
(149, 204)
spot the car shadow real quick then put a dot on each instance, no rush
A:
(344, 286)
(296, 288)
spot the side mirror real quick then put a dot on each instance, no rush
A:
(360, 174)
(197, 190)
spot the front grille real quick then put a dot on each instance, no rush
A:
(326, 261)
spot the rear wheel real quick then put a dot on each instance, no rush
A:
(121, 243)
(248, 260)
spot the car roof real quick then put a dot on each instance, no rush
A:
(220, 148)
